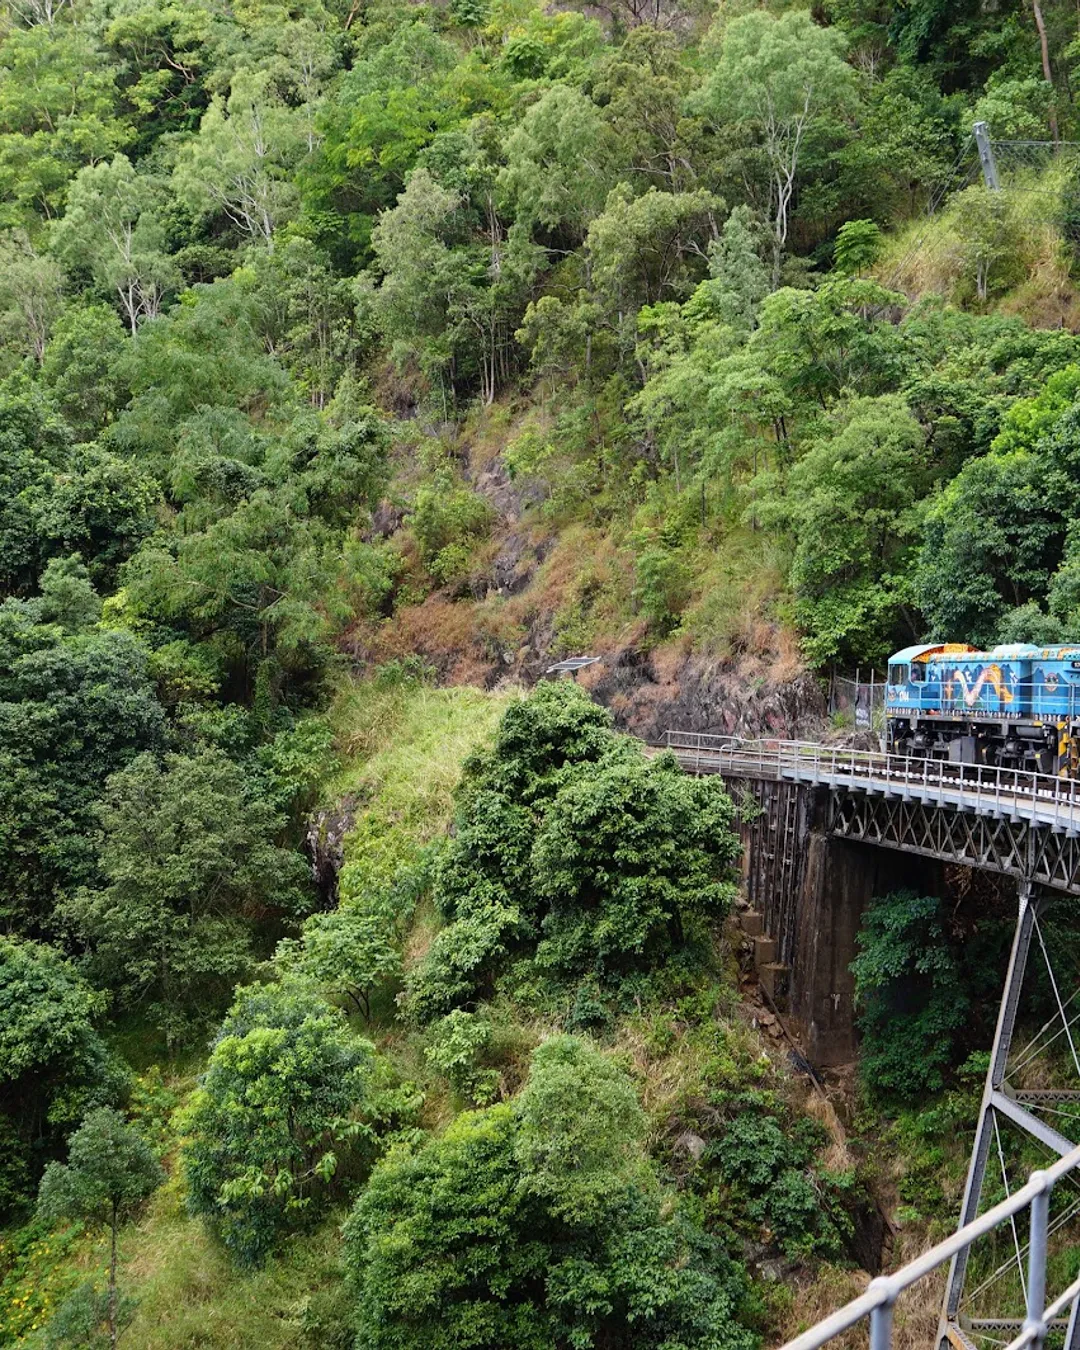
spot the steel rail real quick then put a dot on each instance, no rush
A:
(880, 1298)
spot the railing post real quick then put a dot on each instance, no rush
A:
(881, 1320)
(1036, 1285)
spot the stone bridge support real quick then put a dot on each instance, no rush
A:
(808, 890)
(839, 881)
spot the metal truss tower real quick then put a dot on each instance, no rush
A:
(1022, 1113)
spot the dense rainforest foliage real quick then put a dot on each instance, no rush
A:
(355, 353)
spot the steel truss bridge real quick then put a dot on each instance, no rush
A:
(1012, 823)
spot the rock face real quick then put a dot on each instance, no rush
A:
(324, 844)
(738, 696)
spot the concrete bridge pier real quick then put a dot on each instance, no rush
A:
(839, 879)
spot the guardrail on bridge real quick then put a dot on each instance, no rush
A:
(984, 789)
(879, 1301)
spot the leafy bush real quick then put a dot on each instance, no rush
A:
(663, 585)
(288, 1097)
(575, 851)
(910, 994)
(448, 521)
(54, 1066)
(456, 1045)
(110, 1172)
(535, 1224)
(767, 1166)
(189, 854)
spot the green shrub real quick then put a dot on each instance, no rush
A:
(448, 521)
(536, 1224)
(767, 1166)
(663, 585)
(456, 1045)
(910, 995)
(54, 1066)
(573, 851)
(288, 1096)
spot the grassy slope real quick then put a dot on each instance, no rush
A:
(401, 744)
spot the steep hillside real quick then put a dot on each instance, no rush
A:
(358, 361)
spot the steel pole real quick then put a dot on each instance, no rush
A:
(1006, 1023)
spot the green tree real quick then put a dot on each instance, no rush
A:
(34, 449)
(649, 248)
(347, 952)
(81, 366)
(31, 297)
(449, 521)
(851, 504)
(287, 1097)
(58, 112)
(242, 161)
(529, 875)
(580, 1132)
(673, 846)
(73, 709)
(738, 280)
(109, 1173)
(54, 1065)
(909, 994)
(190, 860)
(537, 1224)
(67, 596)
(111, 225)
(858, 246)
(642, 87)
(560, 164)
(991, 541)
(990, 242)
(775, 78)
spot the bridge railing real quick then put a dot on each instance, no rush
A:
(878, 1303)
(987, 789)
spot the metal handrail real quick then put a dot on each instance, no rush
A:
(880, 1298)
(983, 788)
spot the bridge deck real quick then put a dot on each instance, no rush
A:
(1002, 794)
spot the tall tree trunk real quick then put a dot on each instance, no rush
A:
(112, 1279)
(1048, 75)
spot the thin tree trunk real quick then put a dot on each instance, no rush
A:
(112, 1280)
(1047, 72)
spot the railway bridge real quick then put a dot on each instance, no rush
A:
(825, 829)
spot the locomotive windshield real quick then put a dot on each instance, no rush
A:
(898, 674)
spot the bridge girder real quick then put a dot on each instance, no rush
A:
(1035, 854)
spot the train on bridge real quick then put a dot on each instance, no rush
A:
(1017, 706)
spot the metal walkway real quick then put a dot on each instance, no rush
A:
(1008, 794)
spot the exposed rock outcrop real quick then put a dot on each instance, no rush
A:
(736, 696)
(324, 844)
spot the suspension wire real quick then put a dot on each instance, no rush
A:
(1059, 1221)
(1006, 1266)
(1055, 1225)
(1012, 1217)
(1022, 1064)
(1054, 1110)
(1057, 996)
(1024, 1056)
(932, 206)
(1030, 1051)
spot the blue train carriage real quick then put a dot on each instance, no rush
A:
(1017, 706)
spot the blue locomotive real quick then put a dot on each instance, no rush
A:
(1017, 706)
